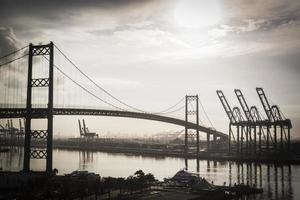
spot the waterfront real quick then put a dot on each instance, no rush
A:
(278, 181)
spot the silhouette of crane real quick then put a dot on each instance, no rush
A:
(85, 132)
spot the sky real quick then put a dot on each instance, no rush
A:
(151, 53)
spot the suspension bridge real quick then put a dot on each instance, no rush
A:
(41, 81)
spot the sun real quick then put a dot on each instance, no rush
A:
(197, 13)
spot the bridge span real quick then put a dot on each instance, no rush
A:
(49, 75)
(42, 113)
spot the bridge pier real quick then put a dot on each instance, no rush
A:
(242, 139)
(281, 138)
(275, 138)
(229, 138)
(254, 139)
(238, 139)
(215, 138)
(268, 139)
(259, 138)
(289, 140)
(208, 142)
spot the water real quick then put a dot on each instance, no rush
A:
(278, 181)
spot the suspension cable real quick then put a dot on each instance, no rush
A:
(189, 103)
(165, 111)
(171, 107)
(13, 52)
(86, 89)
(112, 96)
(180, 108)
(97, 85)
(82, 87)
(8, 62)
(205, 113)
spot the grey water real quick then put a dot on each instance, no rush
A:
(277, 181)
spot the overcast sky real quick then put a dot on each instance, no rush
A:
(150, 53)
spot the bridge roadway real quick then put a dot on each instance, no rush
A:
(41, 113)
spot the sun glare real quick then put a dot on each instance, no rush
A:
(197, 13)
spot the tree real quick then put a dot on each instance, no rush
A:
(139, 173)
(150, 179)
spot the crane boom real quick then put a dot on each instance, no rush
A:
(243, 104)
(226, 106)
(80, 129)
(265, 103)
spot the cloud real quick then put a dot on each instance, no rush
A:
(11, 75)
(8, 40)
(256, 9)
(259, 27)
(144, 25)
(39, 15)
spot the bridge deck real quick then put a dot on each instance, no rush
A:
(41, 112)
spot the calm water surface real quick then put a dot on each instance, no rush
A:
(278, 181)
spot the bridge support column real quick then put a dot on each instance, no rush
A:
(238, 139)
(259, 139)
(268, 139)
(254, 146)
(39, 50)
(215, 146)
(275, 138)
(289, 140)
(250, 140)
(192, 112)
(242, 140)
(186, 141)
(281, 138)
(229, 138)
(208, 142)
(247, 139)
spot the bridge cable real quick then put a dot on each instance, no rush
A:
(180, 108)
(8, 62)
(13, 52)
(97, 85)
(86, 89)
(82, 87)
(171, 107)
(205, 113)
(108, 93)
(189, 103)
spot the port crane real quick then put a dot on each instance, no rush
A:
(253, 124)
(85, 132)
(277, 120)
(235, 119)
(254, 120)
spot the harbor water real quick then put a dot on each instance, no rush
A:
(277, 181)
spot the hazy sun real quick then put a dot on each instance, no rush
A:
(197, 13)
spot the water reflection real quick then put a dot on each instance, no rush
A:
(85, 159)
(278, 181)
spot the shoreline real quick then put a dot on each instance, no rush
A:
(215, 156)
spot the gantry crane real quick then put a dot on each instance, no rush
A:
(235, 119)
(276, 119)
(255, 120)
(85, 132)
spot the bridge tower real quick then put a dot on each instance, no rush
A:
(47, 133)
(191, 113)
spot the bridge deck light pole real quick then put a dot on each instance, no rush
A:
(29, 153)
